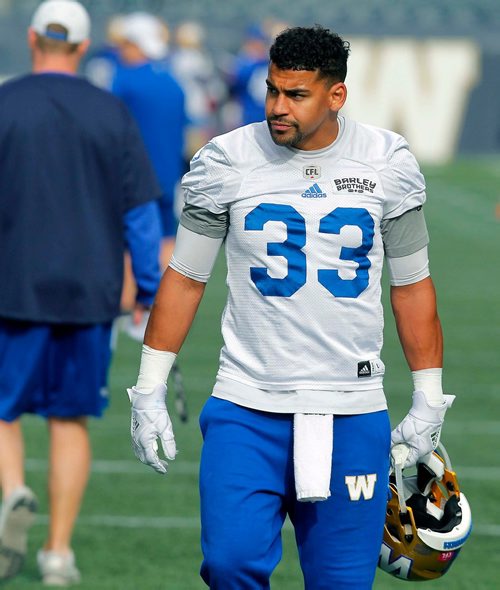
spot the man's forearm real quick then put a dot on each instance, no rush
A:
(418, 324)
(173, 311)
(171, 317)
(142, 237)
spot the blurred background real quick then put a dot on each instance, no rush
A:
(429, 69)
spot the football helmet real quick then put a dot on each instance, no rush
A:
(428, 520)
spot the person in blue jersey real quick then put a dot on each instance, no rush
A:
(101, 63)
(76, 185)
(156, 100)
(247, 84)
(309, 206)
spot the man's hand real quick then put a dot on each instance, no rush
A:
(135, 323)
(140, 314)
(150, 421)
(420, 429)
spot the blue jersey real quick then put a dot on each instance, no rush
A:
(72, 163)
(100, 66)
(156, 101)
(249, 88)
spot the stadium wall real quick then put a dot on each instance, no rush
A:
(420, 88)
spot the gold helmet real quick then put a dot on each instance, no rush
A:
(428, 520)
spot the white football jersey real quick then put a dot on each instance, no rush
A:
(304, 254)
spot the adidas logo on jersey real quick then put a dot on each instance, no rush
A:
(314, 192)
(364, 369)
(370, 368)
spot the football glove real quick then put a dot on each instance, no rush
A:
(150, 421)
(420, 429)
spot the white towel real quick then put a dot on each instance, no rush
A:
(312, 456)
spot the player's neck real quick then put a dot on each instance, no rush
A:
(55, 63)
(323, 138)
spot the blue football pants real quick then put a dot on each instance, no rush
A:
(247, 489)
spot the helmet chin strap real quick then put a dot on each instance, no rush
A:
(399, 453)
(446, 457)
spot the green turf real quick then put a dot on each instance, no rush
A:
(464, 262)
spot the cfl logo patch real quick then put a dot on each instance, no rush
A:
(361, 485)
(311, 172)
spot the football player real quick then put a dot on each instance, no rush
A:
(308, 203)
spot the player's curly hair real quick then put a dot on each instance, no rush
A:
(311, 48)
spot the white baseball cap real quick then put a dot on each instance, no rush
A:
(68, 13)
(147, 32)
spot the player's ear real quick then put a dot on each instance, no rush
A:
(337, 96)
(83, 47)
(31, 38)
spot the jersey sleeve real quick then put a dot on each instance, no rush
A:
(139, 179)
(406, 234)
(116, 86)
(204, 222)
(212, 181)
(143, 237)
(403, 183)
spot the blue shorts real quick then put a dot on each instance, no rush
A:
(247, 489)
(53, 370)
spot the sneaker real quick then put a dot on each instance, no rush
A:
(57, 569)
(16, 516)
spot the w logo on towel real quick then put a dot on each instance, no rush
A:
(361, 484)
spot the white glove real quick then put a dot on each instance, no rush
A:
(420, 429)
(150, 421)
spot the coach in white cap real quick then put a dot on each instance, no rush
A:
(74, 182)
(67, 14)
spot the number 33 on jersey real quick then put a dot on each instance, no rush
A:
(305, 251)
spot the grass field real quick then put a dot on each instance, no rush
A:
(139, 530)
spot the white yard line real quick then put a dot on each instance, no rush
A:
(489, 473)
(121, 422)
(193, 523)
(121, 467)
(132, 522)
(451, 427)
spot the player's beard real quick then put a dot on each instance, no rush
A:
(289, 139)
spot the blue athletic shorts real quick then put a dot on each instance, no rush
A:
(247, 489)
(53, 370)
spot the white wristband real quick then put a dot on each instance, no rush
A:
(429, 381)
(154, 369)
